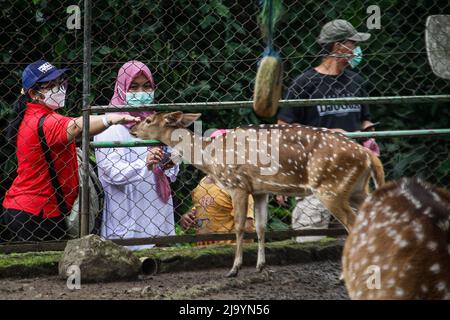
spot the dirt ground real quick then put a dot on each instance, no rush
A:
(315, 280)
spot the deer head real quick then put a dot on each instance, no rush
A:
(160, 125)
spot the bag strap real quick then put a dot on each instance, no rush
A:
(53, 178)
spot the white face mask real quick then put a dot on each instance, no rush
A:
(55, 98)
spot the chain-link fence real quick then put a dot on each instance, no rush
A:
(197, 52)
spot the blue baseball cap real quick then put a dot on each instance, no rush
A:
(40, 71)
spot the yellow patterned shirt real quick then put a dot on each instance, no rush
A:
(214, 210)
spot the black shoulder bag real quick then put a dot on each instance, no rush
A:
(51, 169)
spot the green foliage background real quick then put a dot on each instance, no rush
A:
(208, 51)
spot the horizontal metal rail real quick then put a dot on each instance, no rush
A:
(271, 235)
(203, 106)
(399, 133)
(125, 144)
(371, 134)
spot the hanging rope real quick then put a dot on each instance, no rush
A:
(270, 13)
(268, 80)
(270, 28)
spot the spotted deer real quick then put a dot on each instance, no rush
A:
(334, 167)
(399, 247)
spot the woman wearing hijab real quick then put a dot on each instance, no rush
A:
(138, 202)
(31, 209)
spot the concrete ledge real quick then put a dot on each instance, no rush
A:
(175, 259)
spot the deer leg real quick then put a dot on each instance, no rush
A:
(339, 206)
(360, 191)
(357, 198)
(240, 205)
(261, 222)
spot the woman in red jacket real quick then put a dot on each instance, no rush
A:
(31, 211)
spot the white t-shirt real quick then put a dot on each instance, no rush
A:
(132, 206)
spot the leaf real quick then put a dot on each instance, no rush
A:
(276, 224)
(207, 21)
(220, 9)
(6, 57)
(60, 46)
(39, 16)
(104, 50)
(444, 168)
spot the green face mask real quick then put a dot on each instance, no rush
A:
(139, 98)
(357, 57)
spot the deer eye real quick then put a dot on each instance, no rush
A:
(147, 121)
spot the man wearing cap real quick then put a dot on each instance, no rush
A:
(331, 79)
(31, 209)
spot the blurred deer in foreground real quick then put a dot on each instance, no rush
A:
(401, 236)
(335, 168)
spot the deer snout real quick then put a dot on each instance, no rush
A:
(133, 130)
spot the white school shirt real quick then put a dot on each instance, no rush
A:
(132, 206)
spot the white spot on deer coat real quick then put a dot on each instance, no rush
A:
(441, 286)
(432, 245)
(399, 292)
(444, 225)
(390, 283)
(435, 268)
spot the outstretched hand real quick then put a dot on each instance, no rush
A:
(123, 119)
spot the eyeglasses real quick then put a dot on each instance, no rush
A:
(54, 85)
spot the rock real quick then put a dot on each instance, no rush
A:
(99, 260)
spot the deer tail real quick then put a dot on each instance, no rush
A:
(377, 170)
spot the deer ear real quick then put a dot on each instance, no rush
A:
(180, 119)
(188, 118)
(173, 118)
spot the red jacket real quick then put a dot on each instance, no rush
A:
(32, 190)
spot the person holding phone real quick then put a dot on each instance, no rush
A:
(138, 201)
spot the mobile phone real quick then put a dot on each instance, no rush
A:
(166, 158)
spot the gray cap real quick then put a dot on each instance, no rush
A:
(339, 30)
